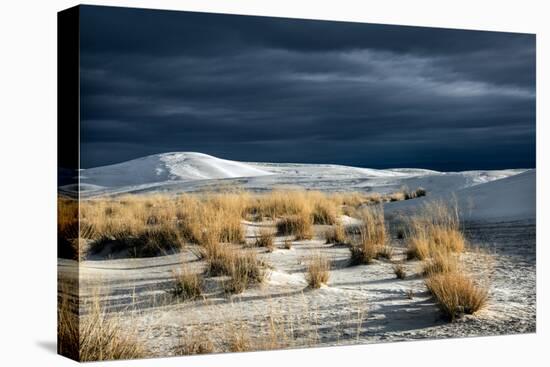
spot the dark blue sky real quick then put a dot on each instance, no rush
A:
(288, 90)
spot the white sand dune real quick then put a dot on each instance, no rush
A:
(510, 198)
(164, 167)
(186, 171)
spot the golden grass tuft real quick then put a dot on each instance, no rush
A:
(240, 341)
(317, 271)
(372, 237)
(325, 211)
(418, 246)
(279, 203)
(245, 270)
(195, 344)
(67, 326)
(456, 294)
(152, 241)
(436, 229)
(385, 252)
(298, 225)
(187, 285)
(242, 267)
(219, 258)
(70, 235)
(265, 239)
(440, 262)
(95, 336)
(336, 234)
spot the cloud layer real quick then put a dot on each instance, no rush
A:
(272, 89)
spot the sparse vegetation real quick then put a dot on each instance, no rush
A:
(372, 237)
(265, 239)
(385, 252)
(94, 336)
(399, 271)
(188, 285)
(434, 236)
(440, 262)
(300, 226)
(245, 270)
(154, 241)
(68, 343)
(436, 229)
(419, 192)
(336, 234)
(240, 341)
(219, 258)
(317, 271)
(325, 211)
(195, 344)
(456, 294)
(150, 225)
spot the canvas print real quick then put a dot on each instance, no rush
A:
(234, 183)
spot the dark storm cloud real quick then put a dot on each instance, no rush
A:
(269, 89)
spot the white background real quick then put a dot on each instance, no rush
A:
(28, 181)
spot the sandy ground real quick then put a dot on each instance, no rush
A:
(361, 304)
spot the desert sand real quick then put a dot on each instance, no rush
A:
(359, 304)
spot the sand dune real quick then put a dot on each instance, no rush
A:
(167, 167)
(506, 199)
(185, 171)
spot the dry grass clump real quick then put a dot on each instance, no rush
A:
(195, 344)
(336, 234)
(240, 341)
(227, 210)
(298, 225)
(435, 237)
(448, 238)
(243, 267)
(385, 252)
(399, 271)
(418, 245)
(440, 262)
(322, 209)
(357, 199)
(456, 294)
(152, 241)
(265, 239)
(317, 271)
(219, 258)
(406, 194)
(325, 211)
(279, 203)
(67, 327)
(193, 218)
(436, 229)
(94, 336)
(71, 233)
(372, 237)
(396, 196)
(363, 253)
(419, 192)
(188, 286)
(246, 270)
(102, 338)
